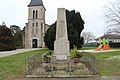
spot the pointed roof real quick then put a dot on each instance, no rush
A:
(3, 24)
(36, 3)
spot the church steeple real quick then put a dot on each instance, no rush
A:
(35, 29)
(36, 3)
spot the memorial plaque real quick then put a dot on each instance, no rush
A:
(61, 57)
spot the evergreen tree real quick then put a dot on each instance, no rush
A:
(6, 39)
(49, 37)
(17, 33)
(14, 29)
(75, 25)
(18, 39)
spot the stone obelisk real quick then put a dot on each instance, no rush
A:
(61, 44)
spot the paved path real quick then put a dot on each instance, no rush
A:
(94, 51)
(88, 78)
(8, 53)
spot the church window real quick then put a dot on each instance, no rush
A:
(32, 24)
(41, 24)
(36, 24)
(36, 14)
(33, 14)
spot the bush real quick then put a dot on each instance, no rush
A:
(7, 43)
(75, 54)
(47, 57)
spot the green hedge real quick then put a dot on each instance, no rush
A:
(7, 43)
(115, 45)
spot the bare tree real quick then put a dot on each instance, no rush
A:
(112, 17)
(88, 36)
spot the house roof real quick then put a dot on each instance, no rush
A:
(93, 41)
(109, 36)
(36, 3)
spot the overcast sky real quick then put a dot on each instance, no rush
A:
(15, 12)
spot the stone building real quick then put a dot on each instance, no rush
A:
(36, 26)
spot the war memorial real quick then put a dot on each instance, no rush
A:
(59, 63)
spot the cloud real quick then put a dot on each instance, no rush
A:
(16, 11)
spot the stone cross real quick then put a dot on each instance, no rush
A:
(61, 44)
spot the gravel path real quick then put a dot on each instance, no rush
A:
(8, 53)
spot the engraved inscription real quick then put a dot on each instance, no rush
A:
(61, 57)
(61, 30)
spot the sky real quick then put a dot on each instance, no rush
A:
(15, 12)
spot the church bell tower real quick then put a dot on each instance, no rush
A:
(35, 28)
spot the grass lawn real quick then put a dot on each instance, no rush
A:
(87, 48)
(15, 65)
(104, 55)
(108, 67)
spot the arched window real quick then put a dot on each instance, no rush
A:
(33, 14)
(36, 14)
(32, 24)
(36, 24)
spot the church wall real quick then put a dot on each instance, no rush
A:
(36, 31)
(36, 28)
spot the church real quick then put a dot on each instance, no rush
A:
(36, 27)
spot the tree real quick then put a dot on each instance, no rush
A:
(18, 35)
(75, 25)
(112, 17)
(18, 39)
(49, 37)
(6, 39)
(23, 37)
(14, 29)
(88, 36)
(75, 21)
